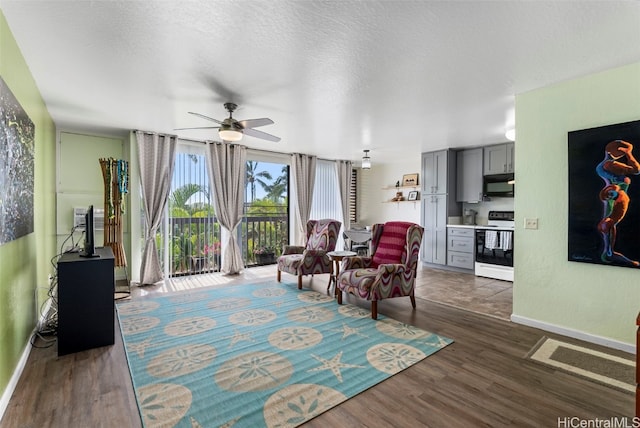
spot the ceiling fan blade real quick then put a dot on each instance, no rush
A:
(254, 123)
(205, 117)
(260, 134)
(197, 127)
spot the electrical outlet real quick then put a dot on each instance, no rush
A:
(530, 223)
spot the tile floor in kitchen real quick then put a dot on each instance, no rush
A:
(466, 291)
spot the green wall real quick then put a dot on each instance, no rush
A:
(595, 300)
(24, 263)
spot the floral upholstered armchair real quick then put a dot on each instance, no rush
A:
(322, 236)
(391, 269)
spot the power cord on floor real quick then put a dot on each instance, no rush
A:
(47, 313)
(48, 327)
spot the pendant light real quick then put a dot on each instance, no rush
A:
(510, 134)
(366, 160)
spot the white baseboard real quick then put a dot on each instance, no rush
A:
(576, 334)
(13, 382)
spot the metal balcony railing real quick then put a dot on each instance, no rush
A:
(196, 242)
(263, 237)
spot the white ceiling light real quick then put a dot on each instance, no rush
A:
(366, 160)
(510, 134)
(230, 134)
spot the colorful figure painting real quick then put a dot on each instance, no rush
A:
(16, 168)
(604, 195)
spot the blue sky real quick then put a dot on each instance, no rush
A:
(275, 169)
(188, 171)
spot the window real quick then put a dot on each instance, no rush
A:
(326, 196)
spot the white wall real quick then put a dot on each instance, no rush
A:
(374, 206)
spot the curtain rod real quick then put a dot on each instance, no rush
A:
(259, 150)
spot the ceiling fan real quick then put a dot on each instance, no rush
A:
(231, 129)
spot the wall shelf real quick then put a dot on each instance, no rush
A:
(401, 187)
(405, 194)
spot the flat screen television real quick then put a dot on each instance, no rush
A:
(89, 249)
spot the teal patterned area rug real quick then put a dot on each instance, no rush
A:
(258, 355)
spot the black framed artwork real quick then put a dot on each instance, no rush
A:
(604, 195)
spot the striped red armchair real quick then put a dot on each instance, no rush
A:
(391, 269)
(322, 236)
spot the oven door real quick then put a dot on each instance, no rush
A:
(494, 247)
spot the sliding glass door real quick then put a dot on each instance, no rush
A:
(265, 227)
(190, 239)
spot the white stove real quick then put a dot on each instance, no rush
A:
(494, 246)
(500, 219)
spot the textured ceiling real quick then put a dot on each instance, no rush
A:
(336, 77)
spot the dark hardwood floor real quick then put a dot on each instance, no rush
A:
(483, 379)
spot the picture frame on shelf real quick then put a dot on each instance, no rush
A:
(413, 195)
(410, 179)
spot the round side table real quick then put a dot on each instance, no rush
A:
(337, 257)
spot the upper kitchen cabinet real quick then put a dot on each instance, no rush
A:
(469, 171)
(498, 159)
(435, 170)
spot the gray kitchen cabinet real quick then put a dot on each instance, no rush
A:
(434, 248)
(469, 168)
(438, 203)
(498, 159)
(435, 170)
(460, 247)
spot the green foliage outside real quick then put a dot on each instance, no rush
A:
(195, 245)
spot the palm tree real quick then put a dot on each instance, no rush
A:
(188, 239)
(278, 189)
(254, 177)
(179, 198)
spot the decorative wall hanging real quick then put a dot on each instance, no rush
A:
(604, 195)
(115, 173)
(16, 167)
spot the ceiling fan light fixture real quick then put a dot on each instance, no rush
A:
(366, 160)
(230, 134)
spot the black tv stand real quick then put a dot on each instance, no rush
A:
(90, 256)
(86, 287)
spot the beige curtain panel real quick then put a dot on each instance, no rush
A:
(227, 164)
(303, 173)
(156, 155)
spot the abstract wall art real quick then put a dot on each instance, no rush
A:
(604, 195)
(16, 167)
